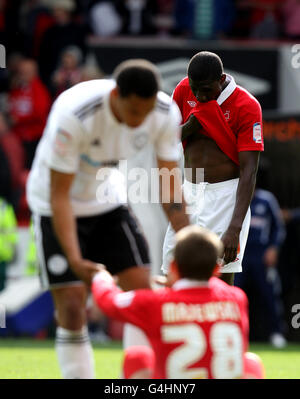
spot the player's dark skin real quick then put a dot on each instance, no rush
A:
(202, 152)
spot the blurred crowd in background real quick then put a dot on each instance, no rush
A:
(46, 43)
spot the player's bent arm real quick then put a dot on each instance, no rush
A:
(171, 195)
(248, 169)
(131, 306)
(190, 127)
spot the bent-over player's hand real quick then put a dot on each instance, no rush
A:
(230, 241)
(85, 269)
(158, 281)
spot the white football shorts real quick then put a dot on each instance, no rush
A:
(210, 206)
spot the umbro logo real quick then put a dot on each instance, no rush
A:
(96, 142)
(192, 103)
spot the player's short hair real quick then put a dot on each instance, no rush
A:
(197, 252)
(205, 66)
(137, 76)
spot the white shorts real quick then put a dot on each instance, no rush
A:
(210, 206)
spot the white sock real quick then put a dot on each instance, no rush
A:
(133, 336)
(74, 352)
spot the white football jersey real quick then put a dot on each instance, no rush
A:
(82, 136)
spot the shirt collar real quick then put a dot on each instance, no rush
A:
(185, 283)
(229, 89)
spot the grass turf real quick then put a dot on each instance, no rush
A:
(34, 359)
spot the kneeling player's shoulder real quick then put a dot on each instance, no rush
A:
(229, 291)
(239, 294)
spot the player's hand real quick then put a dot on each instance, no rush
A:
(104, 275)
(230, 241)
(85, 269)
(270, 256)
(190, 127)
(159, 281)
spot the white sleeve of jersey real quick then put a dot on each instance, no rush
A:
(168, 140)
(65, 138)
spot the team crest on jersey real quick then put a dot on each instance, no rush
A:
(227, 115)
(140, 140)
(257, 133)
(192, 103)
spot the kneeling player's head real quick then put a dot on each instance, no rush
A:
(206, 76)
(197, 252)
(138, 82)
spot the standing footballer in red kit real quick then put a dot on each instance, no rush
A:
(198, 328)
(222, 140)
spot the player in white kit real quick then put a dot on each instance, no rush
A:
(76, 194)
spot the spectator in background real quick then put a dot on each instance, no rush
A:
(213, 19)
(10, 35)
(104, 19)
(9, 74)
(5, 176)
(69, 71)
(28, 103)
(184, 15)
(204, 19)
(264, 18)
(291, 19)
(63, 33)
(14, 152)
(138, 16)
(2, 20)
(164, 16)
(36, 18)
(265, 238)
(8, 238)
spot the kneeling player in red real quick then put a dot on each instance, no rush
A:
(198, 328)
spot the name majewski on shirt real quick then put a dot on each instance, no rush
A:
(211, 311)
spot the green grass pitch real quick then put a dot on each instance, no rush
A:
(34, 359)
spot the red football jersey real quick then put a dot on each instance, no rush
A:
(29, 106)
(196, 329)
(241, 110)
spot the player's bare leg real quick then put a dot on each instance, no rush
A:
(72, 341)
(134, 278)
(228, 278)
